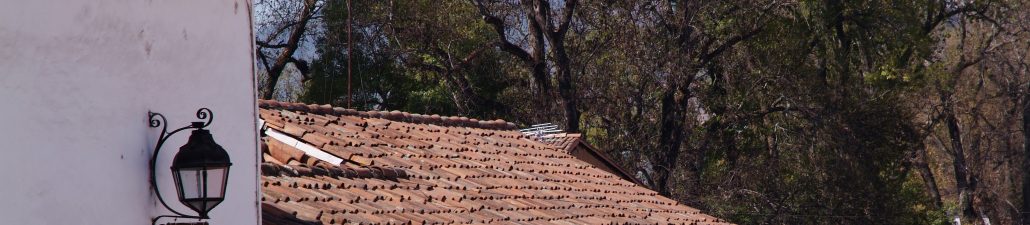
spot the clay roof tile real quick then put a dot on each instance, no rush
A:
(403, 168)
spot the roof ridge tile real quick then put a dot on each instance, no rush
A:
(395, 115)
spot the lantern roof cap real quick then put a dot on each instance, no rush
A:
(201, 151)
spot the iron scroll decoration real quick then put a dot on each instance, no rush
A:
(158, 120)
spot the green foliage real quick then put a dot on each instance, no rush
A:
(812, 119)
(392, 45)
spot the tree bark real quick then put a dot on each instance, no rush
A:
(962, 180)
(671, 133)
(928, 178)
(566, 90)
(556, 39)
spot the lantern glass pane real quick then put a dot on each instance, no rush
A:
(191, 183)
(216, 181)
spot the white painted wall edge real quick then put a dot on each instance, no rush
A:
(257, 117)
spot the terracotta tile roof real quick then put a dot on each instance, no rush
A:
(575, 145)
(402, 168)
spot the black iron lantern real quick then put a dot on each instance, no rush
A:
(200, 168)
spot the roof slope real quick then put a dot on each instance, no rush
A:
(404, 168)
(576, 146)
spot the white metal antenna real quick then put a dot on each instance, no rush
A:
(541, 130)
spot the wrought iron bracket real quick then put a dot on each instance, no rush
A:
(158, 120)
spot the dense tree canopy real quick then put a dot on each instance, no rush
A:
(760, 112)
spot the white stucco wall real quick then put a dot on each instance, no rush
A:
(77, 78)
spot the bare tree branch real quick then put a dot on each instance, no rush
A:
(264, 44)
(502, 34)
(286, 55)
(570, 8)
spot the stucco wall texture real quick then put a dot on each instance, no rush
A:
(77, 79)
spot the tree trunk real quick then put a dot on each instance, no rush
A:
(538, 56)
(671, 135)
(962, 179)
(566, 90)
(928, 178)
